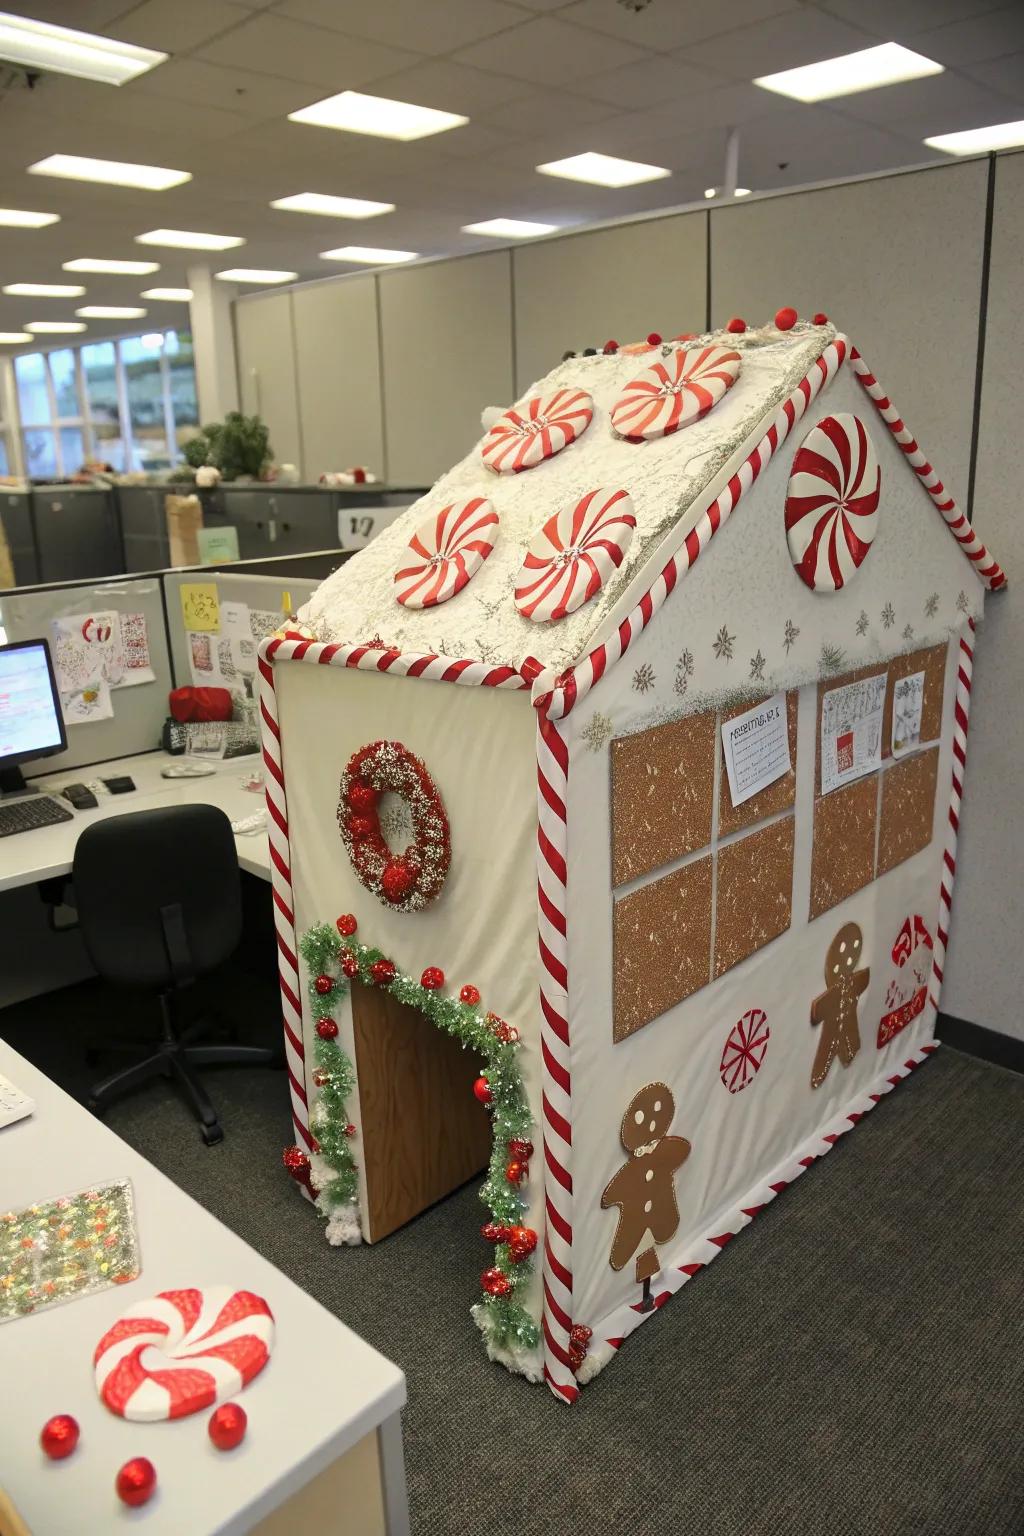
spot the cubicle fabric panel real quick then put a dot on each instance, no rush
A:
(272, 595)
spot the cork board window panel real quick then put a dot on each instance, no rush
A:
(908, 809)
(777, 797)
(662, 946)
(754, 896)
(662, 788)
(843, 852)
(932, 663)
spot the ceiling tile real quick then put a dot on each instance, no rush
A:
(428, 28)
(785, 42)
(974, 41)
(179, 27)
(542, 5)
(648, 82)
(1006, 74)
(277, 45)
(546, 111)
(449, 87)
(548, 52)
(240, 90)
(937, 97)
(895, 19)
(86, 15)
(673, 24)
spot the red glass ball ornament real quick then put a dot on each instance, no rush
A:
(360, 828)
(59, 1436)
(320, 1077)
(346, 925)
(349, 965)
(521, 1243)
(482, 1090)
(383, 972)
(350, 1129)
(432, 978)
(397, 880)
(494, 1232)
(654, 340)
(470, 995)
(521, 1149)
(361, 798)
(326, 1029)
(515, 1172)
(820, 319)
(323, 985)
(495, 1283)
(786, 318)
(580, 1335)
(736, 326)
(136, 1481)
(297, 1163)
(611, 347)
(227, 1426)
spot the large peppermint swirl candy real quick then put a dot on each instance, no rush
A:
(448, 550)
(527, 435)
(182, 1351)
(574, 554)
(832, 502)
(744, 1050)
(674, 391)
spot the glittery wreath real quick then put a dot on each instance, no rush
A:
(406, 881)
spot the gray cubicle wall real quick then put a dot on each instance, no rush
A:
(280, 594)
(139, 711)
(78, 533)
(16, 521)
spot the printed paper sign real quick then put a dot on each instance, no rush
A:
(907, 699)
(138, 667)
(216, 545)
(200, 607)
(90, 702)
(235, 621)
(851, 732)
(87, 645)
(263, 622)
(200, 654)
(756, 746)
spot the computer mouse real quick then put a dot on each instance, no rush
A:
(80, 796)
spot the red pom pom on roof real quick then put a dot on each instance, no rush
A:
(654, 340)
(820, 319)
(736, 326)
(611, 346)
(785, 318)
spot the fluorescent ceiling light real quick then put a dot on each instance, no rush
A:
(353, 112)
(332, 207)
(370, 255)
(54, 327)
(113, 173)
(121, 268)
(45, 290)
(22, 218)
(509, 229)
(110, 312)
(13, 338)
(62, 51)
(603, 170)
(888, 64)
(255, 275)
(976, 141)
(167, 295)
(189, 240)
(737, 192)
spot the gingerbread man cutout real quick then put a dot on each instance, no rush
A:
(836, 1008)
(644, 1188)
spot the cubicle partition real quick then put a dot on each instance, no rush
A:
(19, 530)
(77, 532)
(202, 626)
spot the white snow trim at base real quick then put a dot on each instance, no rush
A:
(342, 1220)
(521, 1362)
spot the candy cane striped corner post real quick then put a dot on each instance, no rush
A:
(988, 569)
(961, 713)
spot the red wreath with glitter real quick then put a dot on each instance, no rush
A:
(405, 881)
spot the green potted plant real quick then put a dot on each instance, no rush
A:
(239, 447)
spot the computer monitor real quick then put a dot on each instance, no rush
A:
(31, 719)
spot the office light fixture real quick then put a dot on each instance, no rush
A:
(866, 70)
(111, 173)
(255, 275)
(23, 218)
(118, 268)
(603, 170)
(737, 192)
(368, 255)
(13, 338)
(45, 290)
(509, 229)
(167, 295)
(63, 51)
(977, 141)
(189, 240)
(54, 327)
(352, 112)
(332, 207)
(110, 312)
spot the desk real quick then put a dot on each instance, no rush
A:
(323, 1449)
(30, 856)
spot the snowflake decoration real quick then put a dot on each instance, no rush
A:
(862, 623)
(908, 632)
(789, 637)
(597, 731)
(757, 666)
(643, 678)
(684, 671)
(491, 608)
(486, 652)
(931, 606)
(395, 822)
(888, 615)
(961, 602)
(832, 658)
(722, 645)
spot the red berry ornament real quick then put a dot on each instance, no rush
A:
(360, 828)
(350, 1130)
(297, 1164)
(515, 1172)
(397, 880)
(361, 798)
(495, 1283)
(383, 972)
(654, 340)
(785, 318)
(346, 925)
(320, 1077)
(820, 319)
(136, 1481)
(580, 1334)
(494, 1232)
(520, 1149)
(432, 978)
(323, 985)
(736, 326)
(326, 1029)
(611, 347)
(470, 995)
(482, 1090)
(521, 1243)
(227, 1426)
(59, 1436)
(349, 965)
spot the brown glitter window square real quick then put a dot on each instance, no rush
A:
(755, 893)
(843, 853)
(662, 786)
(662, 946)
(933, 664)
(829, 685)
(908, 808)
(777, 797)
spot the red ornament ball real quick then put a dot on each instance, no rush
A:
(59, 1436)
(432, 978)
(360, 828)
(397, 880)
(494, 1232)
(611, 347)
(521, 1149)
(736, 326)
(350, 1129)
(227, 1426)
(136, 1481)
(323, 985)
(361, 798)
(470, 995)
(326, 1029)
(346, 925)
(521, 1243)
(482, 1090)
(349, 965)
(515, 1172)
(580, 1335)
(786, 318)
(320, 1077)
(654, 340)
(297, 1163)
(495, 1283)
(820, 319)
(383, 972)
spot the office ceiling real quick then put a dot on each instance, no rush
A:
(539, 80)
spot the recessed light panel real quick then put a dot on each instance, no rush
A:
(45, 290)
(167, 295)
(110, 312)
(189, 240)
(111, 173)
(979, 141)
(119, 268)
(23, 218)
(866, 70)
(62, 51)
(332, 207)
(13, 338)
(255, 275)
(352, 112)
(54, 327)
(368, 255)
(509, 229)
(603, 170)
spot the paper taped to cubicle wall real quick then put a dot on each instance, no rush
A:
(90, 702)
(851, 731)
(104, 644)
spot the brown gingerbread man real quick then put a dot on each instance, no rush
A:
(644, 1188)
(836, 1008)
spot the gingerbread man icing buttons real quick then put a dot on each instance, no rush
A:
(835, 1010)
(644, 1188)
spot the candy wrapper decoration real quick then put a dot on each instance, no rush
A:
(67, 1247)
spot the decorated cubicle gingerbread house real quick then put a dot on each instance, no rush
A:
(628, 759)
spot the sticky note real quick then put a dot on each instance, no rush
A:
(200, 607)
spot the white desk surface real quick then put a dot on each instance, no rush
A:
(322, 1391)
(27, 857)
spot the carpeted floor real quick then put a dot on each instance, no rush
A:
(853, 1363)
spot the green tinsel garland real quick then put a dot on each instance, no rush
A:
(508, 1324)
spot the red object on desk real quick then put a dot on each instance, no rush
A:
(199, 704)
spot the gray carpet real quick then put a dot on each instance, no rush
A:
(853, 1363)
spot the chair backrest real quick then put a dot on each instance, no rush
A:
(158, 894)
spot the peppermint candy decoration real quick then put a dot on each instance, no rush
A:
(832, 502)
(448, 550)
(574, 554)
(744, 1050)
(674, 392)
(182, 1351)
(524, 437)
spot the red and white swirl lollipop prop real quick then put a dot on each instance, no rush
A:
(574, 554)
(674, 391)
(832, 502)
(182, 1351)
(744, 1050)
(448, 550)
(527, 435)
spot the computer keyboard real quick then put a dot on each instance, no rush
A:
(34, 811)
(14, 1105)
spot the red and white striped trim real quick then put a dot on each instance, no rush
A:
(616, 1328)
(557, 702)
(961, 712)
(375, 658)
(988, 570)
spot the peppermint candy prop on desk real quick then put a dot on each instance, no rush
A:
(526, 436)
(447, 551)
(182, 1351)
(574, 554)
(832, 502)
(674, 391)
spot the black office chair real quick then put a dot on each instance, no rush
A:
(159, 905)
